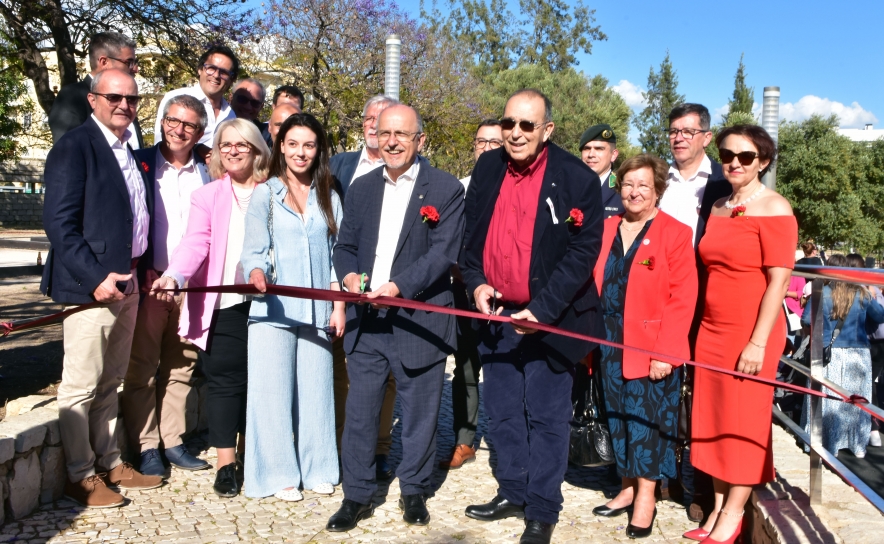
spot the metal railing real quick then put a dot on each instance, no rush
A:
(816, 375)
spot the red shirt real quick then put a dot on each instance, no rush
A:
(507, 255)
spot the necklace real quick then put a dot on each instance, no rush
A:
(730, 206)
(243, 203)
(639, 227)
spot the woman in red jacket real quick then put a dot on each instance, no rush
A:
(647, 278)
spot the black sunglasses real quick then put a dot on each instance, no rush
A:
(746, 157)
(115, 99)
(242, 100)
(508, 123)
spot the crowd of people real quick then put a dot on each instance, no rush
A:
(691, 259)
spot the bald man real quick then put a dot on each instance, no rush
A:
(277, 118)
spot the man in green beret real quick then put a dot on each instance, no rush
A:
(598, 149)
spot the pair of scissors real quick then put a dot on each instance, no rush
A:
(362, 282)
(493, 304)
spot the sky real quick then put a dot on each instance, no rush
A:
(826, 57)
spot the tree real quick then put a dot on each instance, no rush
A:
(835, 185)
(546, 32)
(578, 101)
(179, 29)
(661, 96)
(12, 91)
(743, 98)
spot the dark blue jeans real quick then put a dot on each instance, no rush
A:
(529, 408)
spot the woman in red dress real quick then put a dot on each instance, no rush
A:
(748, 252)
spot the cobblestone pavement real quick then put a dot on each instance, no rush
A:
(186, 510)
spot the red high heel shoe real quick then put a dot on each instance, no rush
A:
(736, 537)
(699, 534)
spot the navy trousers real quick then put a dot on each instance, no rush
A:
(529, 408)
(419, 392)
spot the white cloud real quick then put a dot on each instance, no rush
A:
(631, 93)
(852, 116)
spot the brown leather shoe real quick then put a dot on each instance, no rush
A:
(126, 477)
(462, 454)
(92, 492)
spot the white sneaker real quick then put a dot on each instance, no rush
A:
(859, 455)
(875, 439)
(324, 489)
(289, 495)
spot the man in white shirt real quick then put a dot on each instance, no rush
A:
(347, 168)
(217, 69)
(97, 218)
(161, 363)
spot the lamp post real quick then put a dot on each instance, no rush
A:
(391, 67)
(770, 121)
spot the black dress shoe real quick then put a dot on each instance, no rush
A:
(498, 508)
(610, 512)
(226, 484)
(641, 532)
(414, 508)
(348, 515)
(382, 468)
(537, 532)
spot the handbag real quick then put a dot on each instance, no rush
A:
(793, 319)
(590, 440)
(271, 255)
(827, 351)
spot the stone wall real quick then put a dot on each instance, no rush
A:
(21, 210)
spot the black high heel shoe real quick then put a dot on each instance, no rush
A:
(604, 511)
(641, 532)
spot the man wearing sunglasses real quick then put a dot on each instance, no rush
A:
(217, 69)
(598, 149)
(97, 217)
(247, 100)
(532, 232)
(695, 183)
(107, 50)
(161, 363)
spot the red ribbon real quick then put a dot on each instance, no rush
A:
(16, 326)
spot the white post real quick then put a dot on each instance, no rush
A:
(391, 72)
(770, 121)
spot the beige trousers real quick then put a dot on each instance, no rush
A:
(342, 386)
(159, 378)
(97, 343)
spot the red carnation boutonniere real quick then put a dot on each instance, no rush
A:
(576, 217)
(430, 215)
(144, 166)
(650, 262)
(739, 211)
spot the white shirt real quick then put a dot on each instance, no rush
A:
(397, 193)
(236, 234)
(365, 165)
(173, 188)
(135, 185)
(196, 92)
(683, 197)
(603, 178)
(466, 184)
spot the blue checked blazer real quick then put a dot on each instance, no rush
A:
(421, 266)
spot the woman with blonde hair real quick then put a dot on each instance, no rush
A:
(209, 254)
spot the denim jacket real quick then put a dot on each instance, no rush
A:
(854, 331)
(303, 255)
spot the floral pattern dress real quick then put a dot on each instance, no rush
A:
(642, 413)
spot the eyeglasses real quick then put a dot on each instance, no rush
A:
(746, 157)
(241, 147)
(131, 63)
(242, 100)
(384, 135)
(222, 73)
(508, 123)
(686, 133)
(116, 99)
(629, 187)
(481, 143)
(189, 128)
(369, 120)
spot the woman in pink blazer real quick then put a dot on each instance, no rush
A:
(646, 274)
(209, 254)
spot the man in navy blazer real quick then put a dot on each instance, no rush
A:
(533, 233)
(97, 218)
(400, 236)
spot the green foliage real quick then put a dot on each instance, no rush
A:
(548, 33)
(743, 98)
(661, 96)
(13, 100)
(836, 186)
(578, 102)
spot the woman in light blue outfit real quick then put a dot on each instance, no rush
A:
(291, 226)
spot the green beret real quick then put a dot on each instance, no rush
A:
(602, 133)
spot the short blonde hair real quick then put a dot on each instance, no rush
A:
(250, 134)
